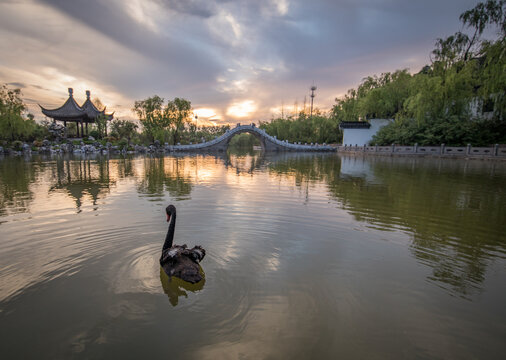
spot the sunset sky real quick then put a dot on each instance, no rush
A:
(236, 61)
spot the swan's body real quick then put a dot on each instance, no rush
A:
(178, 260)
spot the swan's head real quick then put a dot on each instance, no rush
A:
(170, 210)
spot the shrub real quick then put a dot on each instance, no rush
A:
(95, 134)
(17, 145)
(122, 143)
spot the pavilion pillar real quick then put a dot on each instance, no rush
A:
(82, 129)
(86, 128)
(106, 128)
(65, 123)
(77, 128)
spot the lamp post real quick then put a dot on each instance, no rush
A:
(313, 88)
(197, 122)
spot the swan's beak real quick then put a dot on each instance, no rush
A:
(168, 217)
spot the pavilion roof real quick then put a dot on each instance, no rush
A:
(91, 110)
(70, 110)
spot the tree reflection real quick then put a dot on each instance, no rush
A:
(175, 287)
(78, 176)
(125, 167)
(16, 176)
(305, 168)
(165, 174)
(244, 161)
(456, 215)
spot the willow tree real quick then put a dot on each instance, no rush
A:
(320, 128)
(13, 125)
(447, 100)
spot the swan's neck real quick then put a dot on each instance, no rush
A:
(170, 233)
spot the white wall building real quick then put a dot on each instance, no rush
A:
(361, 132)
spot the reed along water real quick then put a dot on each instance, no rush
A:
(308, 257)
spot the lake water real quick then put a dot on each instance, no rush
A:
(308, 256)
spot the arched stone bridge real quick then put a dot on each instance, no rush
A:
(268, 143)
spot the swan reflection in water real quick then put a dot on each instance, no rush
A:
(175, 287)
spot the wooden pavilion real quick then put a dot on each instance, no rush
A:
(81, 115)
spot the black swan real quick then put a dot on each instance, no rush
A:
(178, 260)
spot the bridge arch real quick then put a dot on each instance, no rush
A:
(268, 143)
(256, 134)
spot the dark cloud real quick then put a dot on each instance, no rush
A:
(325, 32)
(182, 60)
(215, 52)
(38, 87)
(200, 8)
(17, 85)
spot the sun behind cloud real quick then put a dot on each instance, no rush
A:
(242, 109)
(206, 116)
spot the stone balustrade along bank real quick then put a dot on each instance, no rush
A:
(495, 151)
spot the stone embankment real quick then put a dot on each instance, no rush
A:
(491, 152)
(82, 148)
(219, 144)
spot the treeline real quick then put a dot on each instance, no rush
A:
(458, 99)
(319, 128)
(244, 140)
(171, 121)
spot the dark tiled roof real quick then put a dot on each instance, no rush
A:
(354, 125)
(90, 109)
(68, 110)
(71, 110)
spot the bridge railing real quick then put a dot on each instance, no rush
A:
(241, 128)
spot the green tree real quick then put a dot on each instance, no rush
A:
(493, 75)
(12, 123)
(346, 108)
(443, 103)
(101, 125)
(124, 128)
(150, 114)
(483, 15)
(319, 128)
(178, 113)
(101, 120)
(387, 97)
(158, 120)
